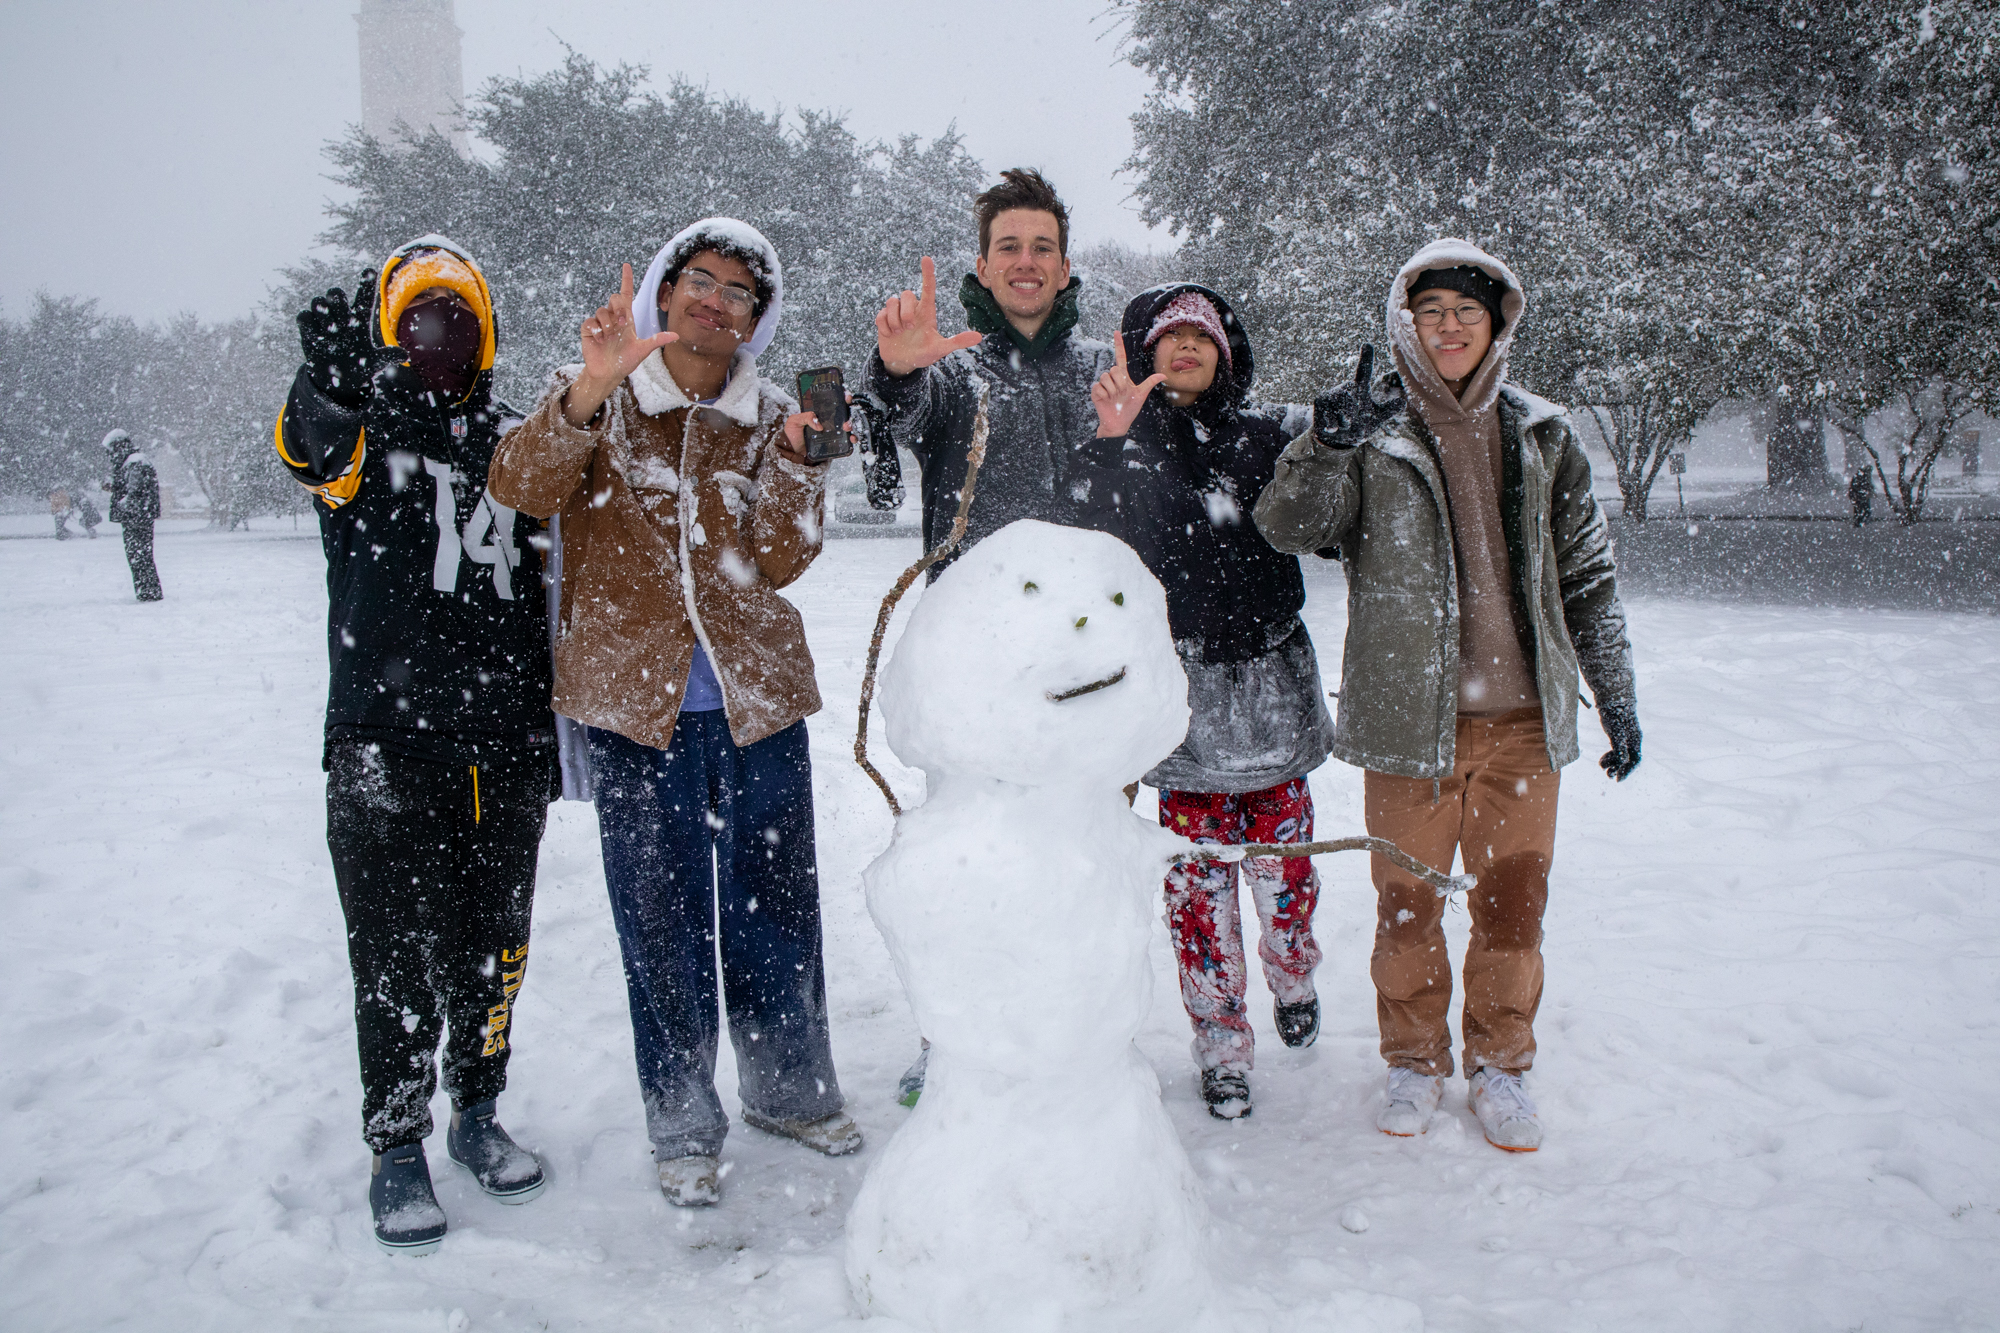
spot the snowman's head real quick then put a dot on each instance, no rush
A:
(1042, 658)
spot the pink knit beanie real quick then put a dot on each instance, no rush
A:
(1191, 308)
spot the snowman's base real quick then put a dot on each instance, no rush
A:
(1005, 1203)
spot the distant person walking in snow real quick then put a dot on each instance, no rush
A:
(1177, 463)
(1021, 358)
(678, 478)
(1480, 581)
(135, 504)
(1861, 495)
(60, 509)
(440, 746)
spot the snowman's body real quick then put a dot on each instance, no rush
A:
(1038, 1183)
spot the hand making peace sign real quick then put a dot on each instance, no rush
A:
(906, 332)
(1116, 398)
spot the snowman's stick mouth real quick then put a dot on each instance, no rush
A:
(1092, 688)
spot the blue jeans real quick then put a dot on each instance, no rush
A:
(694, 834)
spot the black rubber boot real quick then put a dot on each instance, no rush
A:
(407, 1217)
(1298, 1024)
(1227, 1092)
(503, 1168)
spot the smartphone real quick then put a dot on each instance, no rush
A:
(824, 393)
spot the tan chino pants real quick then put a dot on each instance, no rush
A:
(1497, 809)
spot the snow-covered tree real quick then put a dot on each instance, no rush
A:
(68, 374)
(1749, 197)
(590, 168)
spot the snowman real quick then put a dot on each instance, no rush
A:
(1038, 1184)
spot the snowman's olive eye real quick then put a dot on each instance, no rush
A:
(1118, 599)
(1081, 621)
(1030, 587)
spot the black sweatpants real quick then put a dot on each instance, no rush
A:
(139, 555)
(435, 863)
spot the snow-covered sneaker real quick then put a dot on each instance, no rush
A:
(407, 1217)
(503, 1168)
(1227, 1092)
(911, 1085)
(835, 1135)
(1505, 1110)
(1298, 1024)
(1411, 1099)
(691, 1182)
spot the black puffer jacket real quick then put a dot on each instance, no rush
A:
(1178, 489)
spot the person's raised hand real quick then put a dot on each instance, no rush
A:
(612, 349)
(1347, 416)
(906, 330)
(333, 334)
(1116, 398)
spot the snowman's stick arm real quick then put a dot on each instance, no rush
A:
(1438, 880)
(974, 456)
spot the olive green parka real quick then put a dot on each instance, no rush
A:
(1383, 503)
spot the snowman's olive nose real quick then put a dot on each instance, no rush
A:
(1081, 621)
(1118, 599)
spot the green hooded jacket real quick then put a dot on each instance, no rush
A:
(1383, 503)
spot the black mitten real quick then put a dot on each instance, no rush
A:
(340, 356)
(1347, 416)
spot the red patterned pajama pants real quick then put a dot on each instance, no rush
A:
(1202, 911)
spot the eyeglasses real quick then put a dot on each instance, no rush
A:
(701, 286)
(1469, 314)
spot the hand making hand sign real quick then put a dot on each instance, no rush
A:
(1116, 398)
(612, 349)
(906, 332)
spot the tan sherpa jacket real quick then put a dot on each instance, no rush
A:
(679, 524)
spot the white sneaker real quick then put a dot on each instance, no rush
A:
(690, 1182)
(835, 1135)
(1505, 1110)
(1412, 1099)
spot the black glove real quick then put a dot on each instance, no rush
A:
(340, 355)
(1347, 416)
(1621, 728)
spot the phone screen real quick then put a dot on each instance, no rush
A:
(823, 393)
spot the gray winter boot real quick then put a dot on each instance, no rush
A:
(835, 1135)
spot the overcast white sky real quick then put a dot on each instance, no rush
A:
(165, 156)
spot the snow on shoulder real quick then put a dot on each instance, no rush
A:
(1038, 1183)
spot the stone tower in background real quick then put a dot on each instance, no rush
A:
(411, 70)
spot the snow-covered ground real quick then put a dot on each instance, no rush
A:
(1770, 1045)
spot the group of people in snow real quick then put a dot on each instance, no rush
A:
(584, 600)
